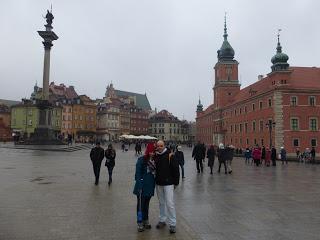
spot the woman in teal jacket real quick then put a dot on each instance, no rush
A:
(144, 186)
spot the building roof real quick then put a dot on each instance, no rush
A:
(164, 116)
(141, 100)
(63, 91)
(8, 103)
(300, 78)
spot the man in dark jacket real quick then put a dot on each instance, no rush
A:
(198, 154)
(96, 156)
(273, 156)
(167, 178)
(179, 156)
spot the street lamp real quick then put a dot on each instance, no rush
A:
(270, 124)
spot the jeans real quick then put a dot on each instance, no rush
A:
(96, 170)
(199, 165)
(229, 165)
(182, 170)
(110, 169)
(225, 166)
(144, 206)
(166, 204)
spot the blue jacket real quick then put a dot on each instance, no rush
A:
(145, 180)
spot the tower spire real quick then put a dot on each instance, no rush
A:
(225, 35)
(280, 60)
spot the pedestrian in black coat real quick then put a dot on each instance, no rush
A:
(110, 154)
(198, 154)
(96, 156)
(179, 156)
(211, 153)
(273, 156)
(222, 157)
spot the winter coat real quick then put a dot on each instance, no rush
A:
(144, 178)
(211, 153)
(273, 154)
(179, 156)
(283, 154)
(97, 155)
(247, 153)
(110, 157)
(229, 153)
(256, 153)
(268, 155)
(221, 155)
(167, 169)
(199, 152)
(263, 153)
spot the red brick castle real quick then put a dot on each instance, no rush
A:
(285, 104)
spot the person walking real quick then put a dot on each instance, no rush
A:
(268, 157)
(256, 155)
(198, 155)
(247, 155)
(313, 155)
(96, 156)
(274, 156)
(211, 153)
(283, 154)
(263, 155)
(144, 186)
(179, 156)
(167, 178)
(229, 157)
(222, 157)
(110, 154)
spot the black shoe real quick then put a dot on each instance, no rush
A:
(225, 173)
(161, 225)
(96, 182)
(198, 171)
(146, 224)
(211, 172)
(230, 172)
(172, 229)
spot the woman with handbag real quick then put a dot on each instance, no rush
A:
(110, 155)
(144, 186)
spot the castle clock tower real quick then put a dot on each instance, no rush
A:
(226, 74)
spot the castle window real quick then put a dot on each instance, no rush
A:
(247, 141)
(313, 142)
(240, 110)
(253, 106)
(294, 124)
(293, 101)
(296, 142)
(229, 93)
(246, 127)
(240, 127)
(245, 109)
(313, 124)
(269, 102)
(254, 126)
(312, 101)
(261, 125)
(260, 104)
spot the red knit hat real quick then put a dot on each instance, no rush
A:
(149, 149)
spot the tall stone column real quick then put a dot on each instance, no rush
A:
(48, 36)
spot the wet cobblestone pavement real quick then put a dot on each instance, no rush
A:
(51, 195)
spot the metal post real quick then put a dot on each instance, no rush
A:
(270, 125)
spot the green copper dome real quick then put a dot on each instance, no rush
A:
(279, 60)
(226, 52)
(199, 106)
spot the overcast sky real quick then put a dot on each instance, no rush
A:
(166, 48)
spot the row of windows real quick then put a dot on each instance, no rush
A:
(295, 126)
(294, 100)
(77, 126)
(295, 142)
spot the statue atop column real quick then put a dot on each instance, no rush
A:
(49, 17)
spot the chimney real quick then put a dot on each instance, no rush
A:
(260, 77)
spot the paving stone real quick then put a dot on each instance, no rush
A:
(51, 195)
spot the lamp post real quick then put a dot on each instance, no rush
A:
(270, 124)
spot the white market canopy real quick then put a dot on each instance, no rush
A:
(141, 137)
